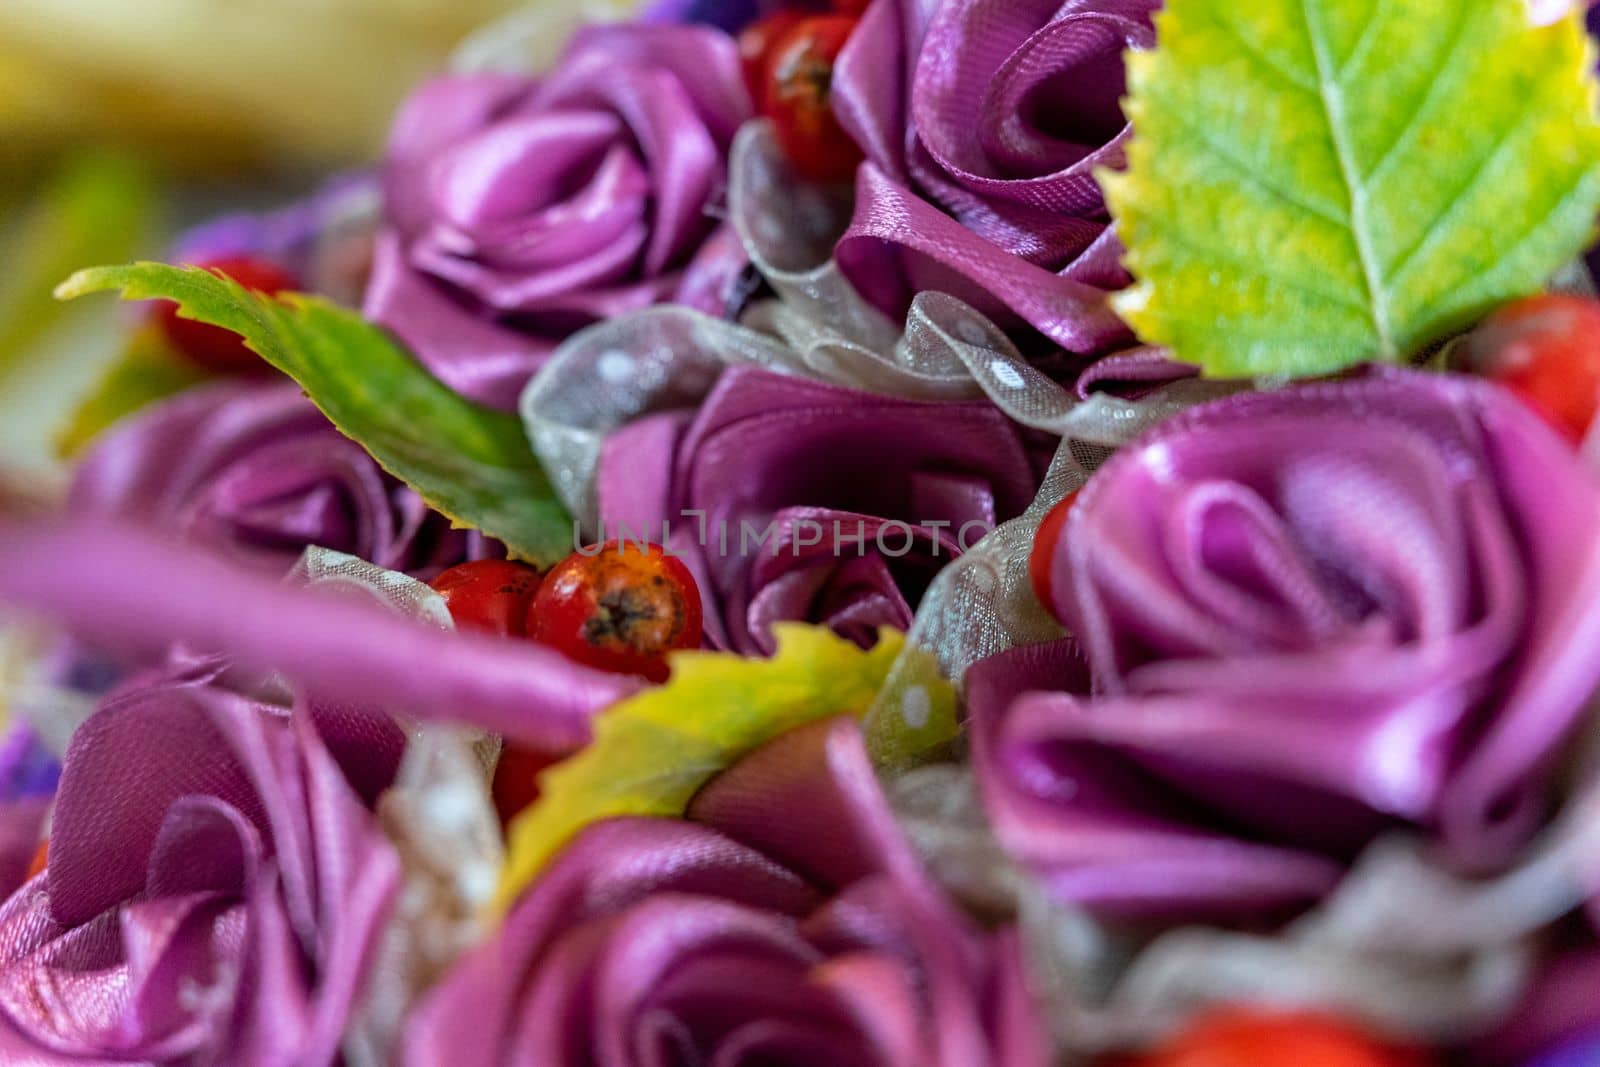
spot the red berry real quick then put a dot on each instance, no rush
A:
(516, 780)
(755, 49)
(1245, 1038)
(213, 347)
(621, 608)
(1045, 544)
(1546, 349)
(489, 594)
(799, 98)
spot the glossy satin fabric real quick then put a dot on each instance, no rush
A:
(766, 448)
(126, 589)
(1306, 616)
(785, 922)
(982, 122)
(254, 469)
(517, 211)
(214, 888)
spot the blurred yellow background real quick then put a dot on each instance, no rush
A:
(123, 120)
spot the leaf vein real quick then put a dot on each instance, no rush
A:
(1252, 51)
(1333, 104)
(1441, 222)
(1453, 54)
(1254, 173)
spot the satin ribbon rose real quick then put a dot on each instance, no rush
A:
(793, 500)
(1307, 616)
(257, 470)
(214, 891)
(518, 210)
(785, 922)
(983, 122)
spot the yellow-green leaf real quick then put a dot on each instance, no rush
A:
(651, 753)
(471, 463)
(1315, 183)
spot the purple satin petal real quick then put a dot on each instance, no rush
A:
(125, 588)
(983, 122)
(254, 469)
(815, 938)
(209, 867)
(519, 210)
(777, 490)
(1308, 615)
(898, 245)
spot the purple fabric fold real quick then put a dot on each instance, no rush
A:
(983, 122)
(125, 589)
(785, 921)
(517, 211)
(213, 895)
(791, 500)
(1306, 616)
(256, 470)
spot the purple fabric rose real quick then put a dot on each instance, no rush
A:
(324, 240)
(1306, 616)
(791, 500)
(519, 210)
(214, 888)
(256, 469)
(787, 922)
(983, 122)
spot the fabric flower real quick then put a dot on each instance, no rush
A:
(1306, 616)
(983, 122)
(257, 469)
(787, 922)
(519, 210)
(324, 240)
(791, 500)
(214, 888)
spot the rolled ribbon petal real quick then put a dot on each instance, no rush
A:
(123, 587)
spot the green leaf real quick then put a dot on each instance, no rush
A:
(469, 462)
(1315, 183)
(148, 370)
(653, 752)
(97, 208)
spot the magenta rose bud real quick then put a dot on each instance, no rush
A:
(214, 891)
(518, 210)
(258, 471)
(983, 122)
(786, 922)
(791, 500)
(1307, 616)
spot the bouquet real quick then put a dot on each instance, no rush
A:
(974, 533)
